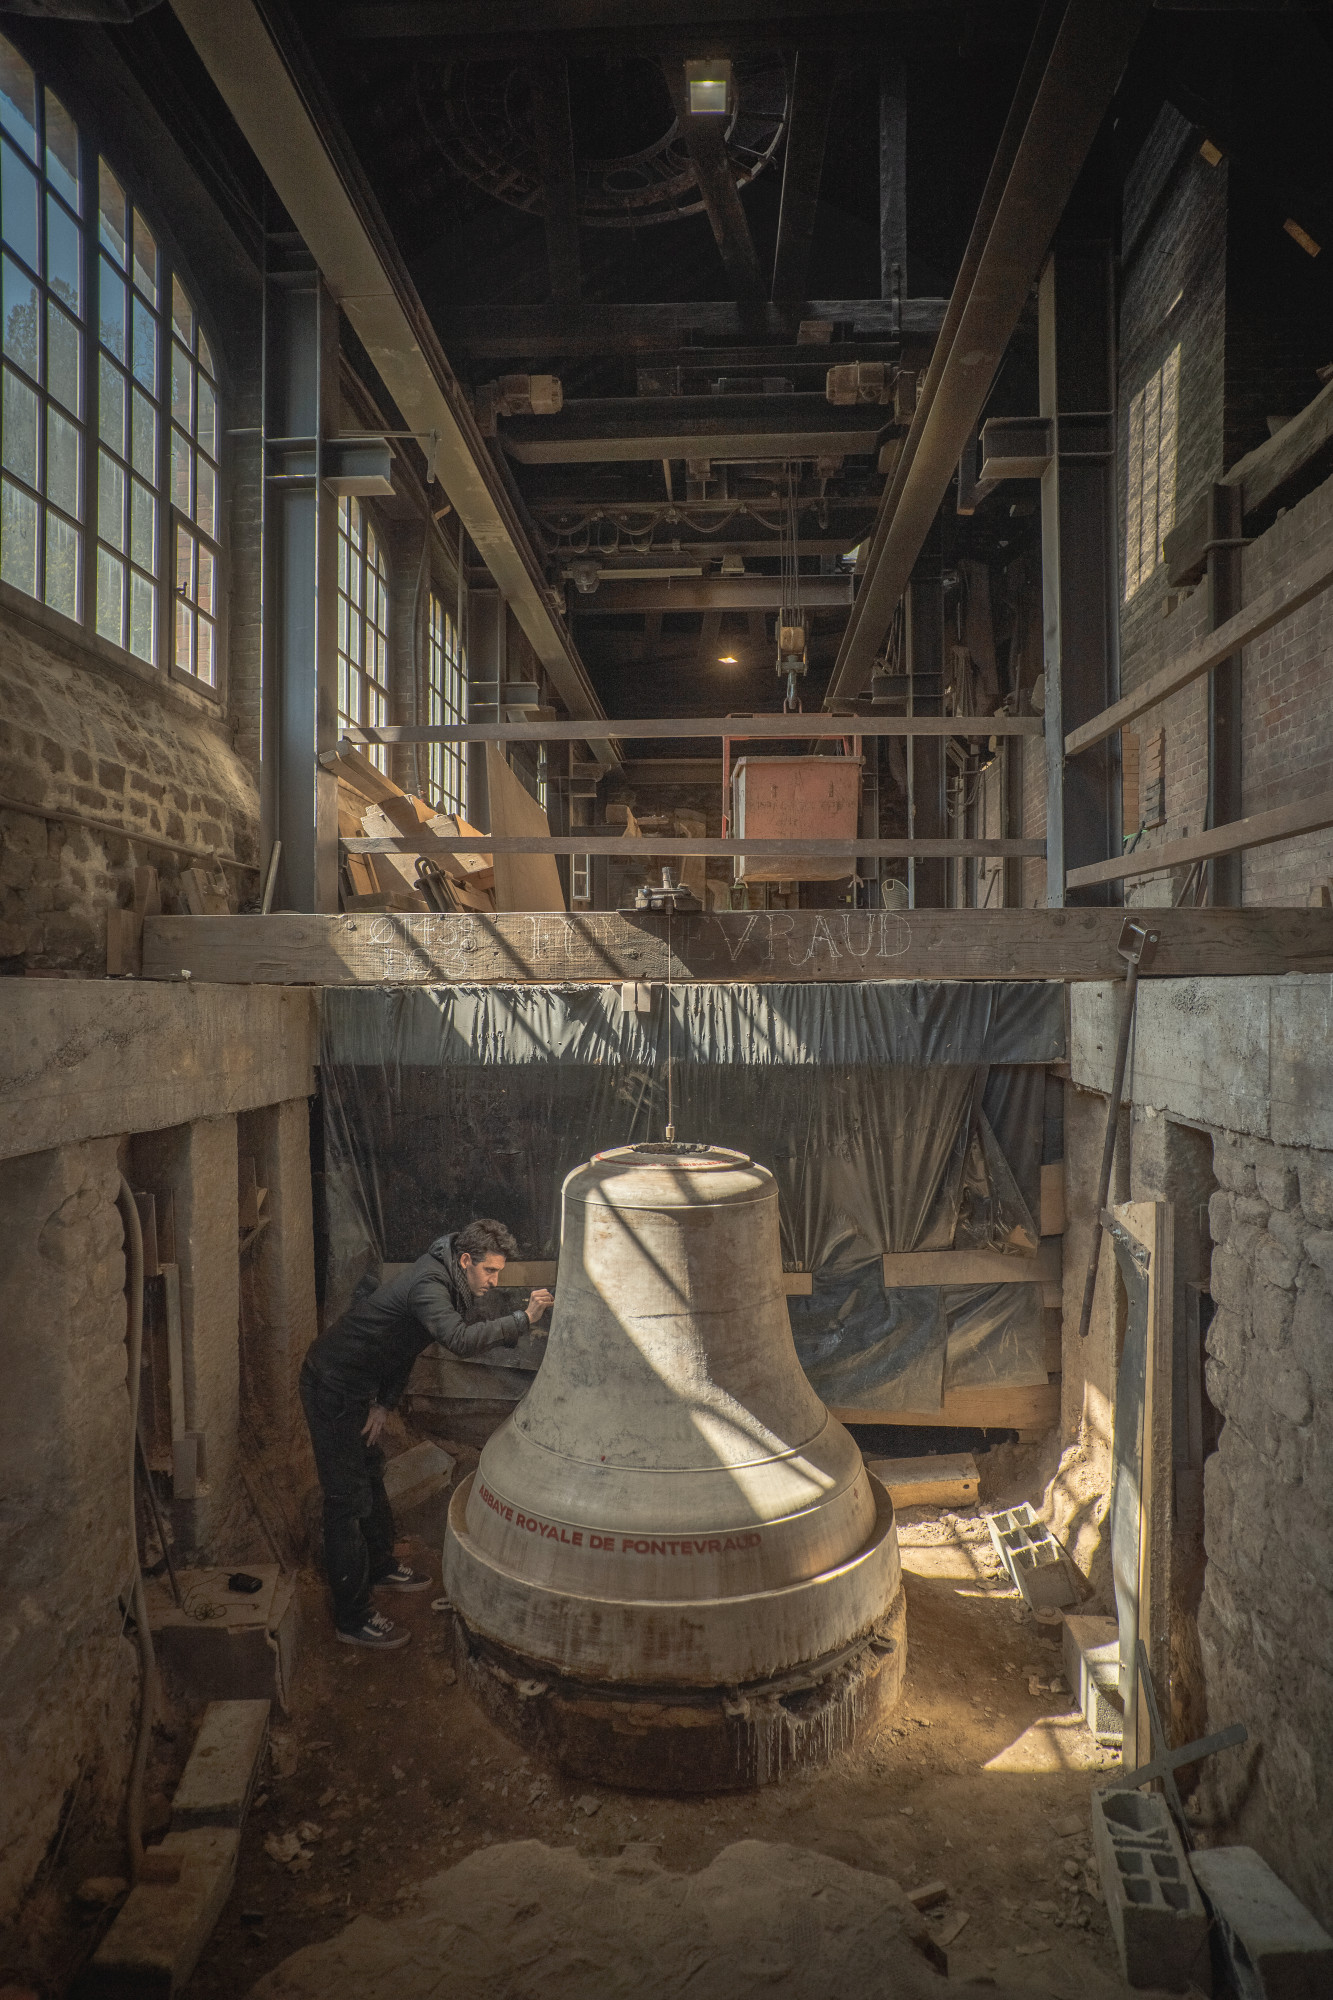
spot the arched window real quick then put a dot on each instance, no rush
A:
(444, 703)
(363, 624)
(109, 426)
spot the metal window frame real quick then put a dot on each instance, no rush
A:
(449, 697)
(358, 608)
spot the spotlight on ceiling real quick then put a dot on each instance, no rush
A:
(709, 87)
(728, 660)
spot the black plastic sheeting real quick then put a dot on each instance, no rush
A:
(894, 1116)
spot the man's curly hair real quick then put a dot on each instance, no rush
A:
(485, 1238)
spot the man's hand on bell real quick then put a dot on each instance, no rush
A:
(537, 1303)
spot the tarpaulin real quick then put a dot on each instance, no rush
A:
(894, 1116)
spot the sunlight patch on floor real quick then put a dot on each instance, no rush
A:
(1055, 1743)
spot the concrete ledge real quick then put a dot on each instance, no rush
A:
(92, 1058)
(154, 1944)
(1277, 1949)
(219, 1778)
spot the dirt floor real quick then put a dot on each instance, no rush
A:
(386, 1773)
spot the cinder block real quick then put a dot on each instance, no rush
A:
(1277, 1951)
(219, 1779)
(1092, 1668)
(154, 1944)
(1034, 1559)
(1157, 1915)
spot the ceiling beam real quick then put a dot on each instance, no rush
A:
(1057, 110)
(604, 429)
(815, 79)
(555, 156)
(279, 104)
(399, 18)
(716, 593)
(704, 136)
(503, 332)
(770, 725)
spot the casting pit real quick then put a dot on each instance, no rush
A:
(671, 1569)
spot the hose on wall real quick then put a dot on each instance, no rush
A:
(148, 1684)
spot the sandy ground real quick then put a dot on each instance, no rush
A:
(982, 1781)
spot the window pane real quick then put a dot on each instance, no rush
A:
(111, 212)
(62, 150)
(205, 512)
(145, 258)
(64, 255)
(184, 654)
(204, 588)
(184, 562)
(143, 525)
(62, 566)
(182, 312)
(144, 360)
(20, 428)
(18, 538)
(111, 308)
(18, 98)
(206, 354)
(63, 373)
(207, 428)
(110, 404)
(181, 456)
(110, 501)
(110, 597)
(20, 318)
(205, 652)
(143, 443)
(62, 463)
(143, 617)
(181, 370)
(18, 206)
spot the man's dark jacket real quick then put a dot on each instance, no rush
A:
(369, 1352)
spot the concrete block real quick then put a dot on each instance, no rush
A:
(1033, 1558)
(1156, 1912)
(221, 1646)
(154, 1944)
(217, 1782)
(417, 1483)
(1092, 1668)
(1276, 1949)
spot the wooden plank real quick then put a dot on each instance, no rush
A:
(1259, 830)
(1033, 1409)
(526, 877)
(950, 1479)
(605, 843)
(750, 728)
(974, 1267)
(1261, 475)
(1268, 609)
(293, 947)
(1053, 1199)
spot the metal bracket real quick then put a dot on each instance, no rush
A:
(1137, 945)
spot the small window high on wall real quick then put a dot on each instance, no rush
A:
(363, 625)
(1150, 511)
(109, 428)
(445, 669)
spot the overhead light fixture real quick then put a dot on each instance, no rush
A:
(728, 660)
(708, 85)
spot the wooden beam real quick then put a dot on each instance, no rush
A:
(502, 333)
(1034, 1409)
(555, 154)
(973, 1267)
(1301, 446)
(292, 948)
(704, 137)
(755, 728)
(815, 78)
(1248, 624)
(1259, 830)
(713, 594)
(675, 843)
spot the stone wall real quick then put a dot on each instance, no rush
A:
(70, 1677)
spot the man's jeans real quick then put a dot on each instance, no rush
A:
(358, 1522)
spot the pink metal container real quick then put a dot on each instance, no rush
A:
(795, 798)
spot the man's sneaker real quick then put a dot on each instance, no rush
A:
(400, 1577)
(377, 1632)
